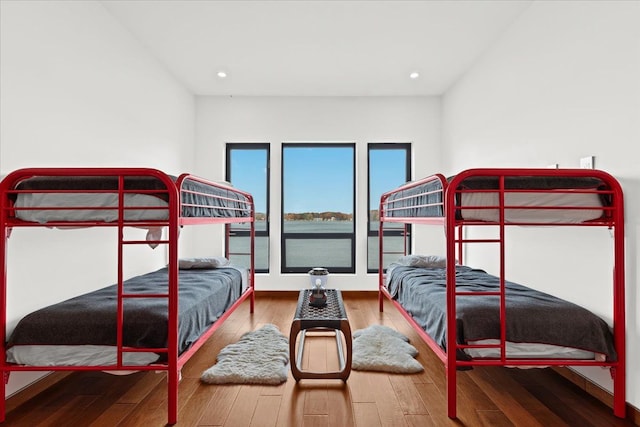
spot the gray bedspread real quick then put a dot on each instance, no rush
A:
(204, 295)
(532, 316)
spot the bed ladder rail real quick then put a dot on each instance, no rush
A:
(122, 295)
(501, 344)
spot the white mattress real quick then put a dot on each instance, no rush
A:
(102, 200)
(531, 351)
(74, 355)
(532, 199)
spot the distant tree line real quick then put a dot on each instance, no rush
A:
(318, 216)
(323, 216)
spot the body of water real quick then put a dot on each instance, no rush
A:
(320, 252)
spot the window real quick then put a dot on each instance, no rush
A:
(318, 205)
(389, 167)
(247, 167)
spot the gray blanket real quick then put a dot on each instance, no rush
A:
(204, 295)
(532, 316)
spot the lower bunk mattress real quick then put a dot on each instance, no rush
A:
(538, 325)
(81, 331)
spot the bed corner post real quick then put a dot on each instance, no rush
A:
(3, 404)
(618, 371)
(4, 236)
(252, 250)
(451, 364)
(173, 369)
(381, 254)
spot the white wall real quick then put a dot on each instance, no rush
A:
(77, 90)
(316, 119)
(562, 83)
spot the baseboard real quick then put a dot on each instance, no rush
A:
(278, 294)
(604, 396)
(293, 294)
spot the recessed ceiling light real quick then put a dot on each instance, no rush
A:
(222, 74)
(414, 75)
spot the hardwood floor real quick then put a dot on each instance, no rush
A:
(486, 396)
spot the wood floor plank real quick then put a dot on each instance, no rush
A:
(315, 349)
(419, 421)
(72, 413)
(366, 415)
(316, 421)
(316, 399)
(152, 410)
(340, 405)
(390, 408)
(220, 405)
(512, 400)
(193, 410)
(264, 415)
(243, 407)
(140, 390)
(407, 395)
(361, 385)
(568, 400)
(271, 390)
(101, 386)
(494, 419)
(40, 386)
(113, 416)
(291, 409)
(469, 403)
(470, 390)
(435, 403)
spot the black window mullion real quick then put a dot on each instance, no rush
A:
(373, 232)
(237, 231)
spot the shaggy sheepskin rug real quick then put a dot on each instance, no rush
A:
(380, 348)
(259, 357)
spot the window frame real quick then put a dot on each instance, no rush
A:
(229, 147)
(406, 230)
(284, 269)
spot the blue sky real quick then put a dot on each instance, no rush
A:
(387, 172)
(248, 173)
(317, 179)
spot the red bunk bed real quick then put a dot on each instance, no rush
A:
(155, 321)
(471, 318)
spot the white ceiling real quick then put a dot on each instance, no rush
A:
(316, 48)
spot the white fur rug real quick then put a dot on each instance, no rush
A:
(380, 348)
(259, 357)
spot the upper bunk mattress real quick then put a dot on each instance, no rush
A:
(91, 319)
(559, 200)
(145, 199)
(531, 316)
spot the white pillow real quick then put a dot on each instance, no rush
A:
(424, 261)
(193, 263)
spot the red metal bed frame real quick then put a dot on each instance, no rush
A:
(613, 219)
(174, 190)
